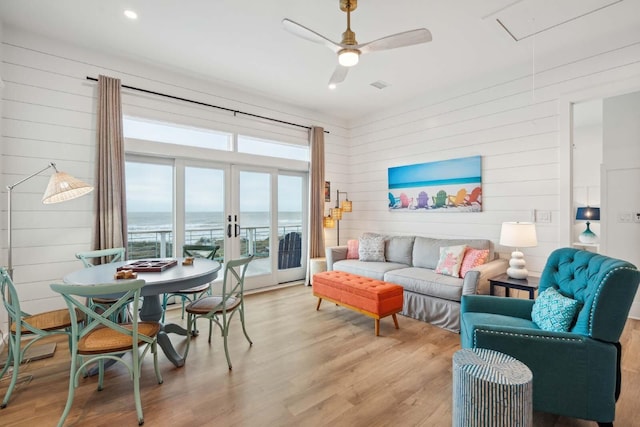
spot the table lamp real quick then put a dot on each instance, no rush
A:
(518, 235)
(588, 213)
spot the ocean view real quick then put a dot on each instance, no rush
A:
(143, 221)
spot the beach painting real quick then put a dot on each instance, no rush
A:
(453, 185)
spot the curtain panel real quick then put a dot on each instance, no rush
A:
(110, 197)
(316, 206)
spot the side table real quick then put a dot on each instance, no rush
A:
(317, 265)
(530, 284)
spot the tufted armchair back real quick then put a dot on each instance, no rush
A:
(604, 286)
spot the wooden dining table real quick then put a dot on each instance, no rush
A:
(172, 279)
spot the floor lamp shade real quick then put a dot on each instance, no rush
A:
(518, 235)
(63, 187)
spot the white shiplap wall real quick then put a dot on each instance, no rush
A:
(49, 114)
(513, 127)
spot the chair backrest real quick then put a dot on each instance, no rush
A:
(116, 254)
(200, 251)
(290, 250)
(604, 286)
(233, 281)
(460, 196)
(127, 291)
(423, 199)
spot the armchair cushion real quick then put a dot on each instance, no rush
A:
(552, 311)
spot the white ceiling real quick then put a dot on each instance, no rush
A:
(241, 43)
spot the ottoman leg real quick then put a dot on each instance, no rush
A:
(318, 306)
(395, 321)
(377, 327)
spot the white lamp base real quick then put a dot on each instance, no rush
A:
(517, 264)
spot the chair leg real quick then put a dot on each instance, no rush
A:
(136, 384)
(226, 348)
(73, 375)
(243, 328)
(164, 305)
(15, 357)
(100, 374)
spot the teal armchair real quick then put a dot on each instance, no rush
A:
(575, 373)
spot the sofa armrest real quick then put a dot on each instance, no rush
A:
(488, 270)
(514, 307)
(333, 254)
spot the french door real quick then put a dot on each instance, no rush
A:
(242, 210)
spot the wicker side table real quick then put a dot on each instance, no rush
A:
(491, 389)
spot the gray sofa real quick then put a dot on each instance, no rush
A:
(411, 262)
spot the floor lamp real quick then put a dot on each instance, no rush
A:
(61, 187)
(335, 214)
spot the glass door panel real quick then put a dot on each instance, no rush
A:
(291, 256)
(149, 188)
(204, 196)
(253, 228)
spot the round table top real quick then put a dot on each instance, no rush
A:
(492, 366)
(172, 279)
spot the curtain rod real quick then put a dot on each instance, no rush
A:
(209, 105)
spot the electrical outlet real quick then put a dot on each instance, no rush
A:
(625, 217)
(543, 216)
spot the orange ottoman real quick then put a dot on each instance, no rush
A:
(371, 297)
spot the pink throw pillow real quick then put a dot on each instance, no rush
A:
(352, 249)
(450, 260)
(473, 258)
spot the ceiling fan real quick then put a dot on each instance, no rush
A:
(348, 49)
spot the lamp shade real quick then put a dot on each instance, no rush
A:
(348, 57)
(336, 213)
(63, 187)
(518, 234)
(588, 214)
(347, 206)
(328, 222)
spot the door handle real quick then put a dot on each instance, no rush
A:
(229, 230)
(237, 230)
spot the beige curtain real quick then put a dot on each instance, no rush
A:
(111, 209)
(316, 208)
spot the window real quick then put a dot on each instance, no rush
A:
(263, 147)
(175, 134)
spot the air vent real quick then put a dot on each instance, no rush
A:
(380, 84)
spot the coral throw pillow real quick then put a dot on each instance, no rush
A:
(450, 260)
(352, 249)
(472, 259)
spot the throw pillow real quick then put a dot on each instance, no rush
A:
(352, 249)
(371, 248)
(552, 311)
(472, 259)
(450, 260)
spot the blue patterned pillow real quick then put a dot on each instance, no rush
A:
(552, 311)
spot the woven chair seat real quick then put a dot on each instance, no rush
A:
(48, 321)
(103, 339)
(195, 289)
(206, 304)
(105, 301)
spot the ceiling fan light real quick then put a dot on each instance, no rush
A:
(348, 57)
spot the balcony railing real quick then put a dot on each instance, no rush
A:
(159, 243)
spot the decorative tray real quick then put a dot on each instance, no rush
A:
(149, 266)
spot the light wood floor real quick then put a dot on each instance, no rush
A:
(306, 368)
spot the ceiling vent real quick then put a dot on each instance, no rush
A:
(380, 84)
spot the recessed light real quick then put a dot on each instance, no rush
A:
(332, 86)
(130, 14)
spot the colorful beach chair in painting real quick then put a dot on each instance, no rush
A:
(405, 201)
(474, 197)
(423, 200)
(440, 199)
(394, 202)
(458, 199)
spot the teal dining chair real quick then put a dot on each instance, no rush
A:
(102, 339)
(105, 256)
(191, 294)
(24, 325)
(219, 309)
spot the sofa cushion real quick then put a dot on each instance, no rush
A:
(399, 249)
(371, 249)
(450, 260)
(374, 270)
(426, 250)
(426, 282)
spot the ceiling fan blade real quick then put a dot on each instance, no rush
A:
(307, 34)
(407, 38)
(338, 75)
